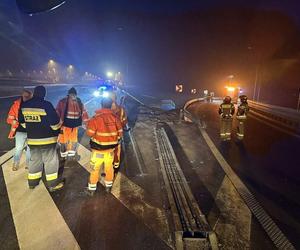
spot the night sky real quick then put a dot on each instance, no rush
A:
(159, 43)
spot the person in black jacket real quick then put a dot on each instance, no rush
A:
(42, 125)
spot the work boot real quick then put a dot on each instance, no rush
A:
(32, 187)
(59, 186)
(15, 166)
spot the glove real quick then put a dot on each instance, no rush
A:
(11, 136)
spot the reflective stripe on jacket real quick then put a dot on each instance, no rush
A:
(226, 109)
(71, 112)
(41, 121)
(105, 129)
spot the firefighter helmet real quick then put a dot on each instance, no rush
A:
(227, 99)
(243, 98)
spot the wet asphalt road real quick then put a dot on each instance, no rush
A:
(267, 161)
(90, 220)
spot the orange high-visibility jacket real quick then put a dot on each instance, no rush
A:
(121, 113)
(75, 113)
(105, 129)
(12, 118)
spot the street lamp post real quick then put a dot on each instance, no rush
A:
(255, 82)
(255, 96)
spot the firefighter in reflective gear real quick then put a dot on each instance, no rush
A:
(105, 130)
(42, 125)
(241, 116)
(72, 113)
(17, 131)
(119, 110)
(226, 111)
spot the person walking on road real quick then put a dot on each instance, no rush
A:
(72, 114)
(226, 111)
(119, 110)
(241, 116)
(105, 130)
(42, 125)
(17, 132)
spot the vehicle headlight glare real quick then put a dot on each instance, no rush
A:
(105, 94)
(96, 93)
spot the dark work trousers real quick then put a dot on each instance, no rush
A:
(44, 156)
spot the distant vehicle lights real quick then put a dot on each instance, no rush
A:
(96, 93)
(103, 91)
(230, 89)
(105, 94)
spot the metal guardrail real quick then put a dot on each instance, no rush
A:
(284, 117)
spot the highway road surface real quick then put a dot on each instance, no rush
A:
(138, 214)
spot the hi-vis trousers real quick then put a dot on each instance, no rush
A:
(43, 157)
(68, 139)
(117, 155)
(225, 128)
(101, 162)
(241, 127)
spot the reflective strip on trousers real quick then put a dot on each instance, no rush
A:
(92, 186)
(71, 153)
(51, 177)
(34, 176)
(108, 183)
(63, 154)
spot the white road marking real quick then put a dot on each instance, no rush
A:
(134, 147)
(87, 102)
(38, 222)
(233, 225)
(133, 197)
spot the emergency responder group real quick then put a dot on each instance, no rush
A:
(40, 128)
(226, 112)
